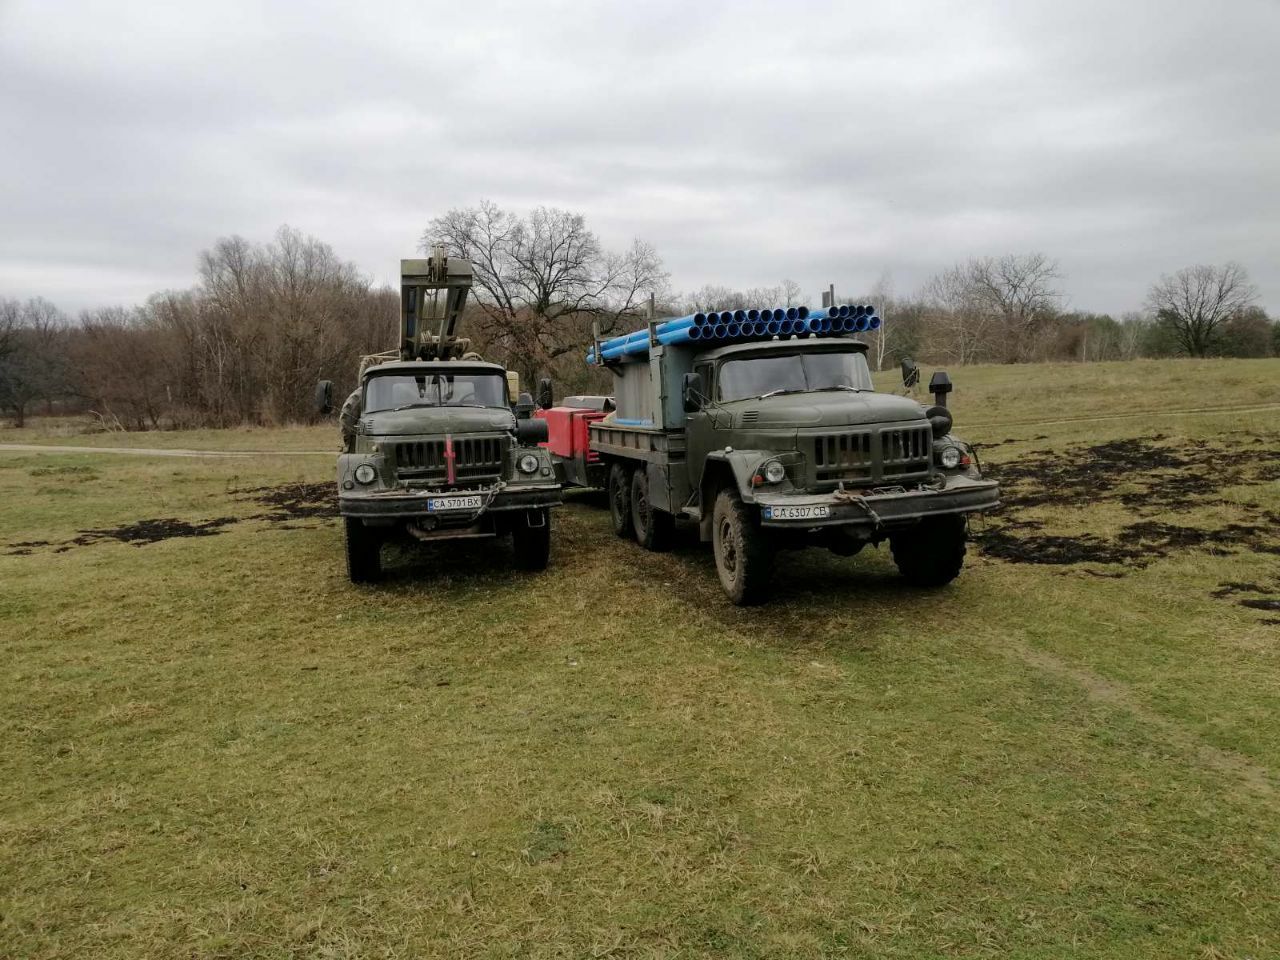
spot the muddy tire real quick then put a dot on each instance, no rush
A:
(932, 553)
(744, 551)
(653, 527)
(619, 493)
(532, 545)
(364, 549)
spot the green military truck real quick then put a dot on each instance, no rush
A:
(776, 443)
(438, 444)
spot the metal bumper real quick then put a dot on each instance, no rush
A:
(899, 508)
(399, 505)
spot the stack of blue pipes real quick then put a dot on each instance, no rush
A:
(737, 326)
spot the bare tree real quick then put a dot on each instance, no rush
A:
(541, 279)
(33, 340)
(995, 307)
(881, 298)
(956, 316)
(10, 313)
(1194, 302)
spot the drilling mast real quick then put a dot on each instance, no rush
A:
(432, 295)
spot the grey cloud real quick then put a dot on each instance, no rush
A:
(825, 142)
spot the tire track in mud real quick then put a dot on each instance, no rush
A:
(1259, 780)
(1141, 415)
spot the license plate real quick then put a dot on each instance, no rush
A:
(437, 504)
(797, 513)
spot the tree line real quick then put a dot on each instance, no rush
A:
(264, 321)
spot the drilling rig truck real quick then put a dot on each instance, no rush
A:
(437, 444)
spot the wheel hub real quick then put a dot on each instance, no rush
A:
(728, 548)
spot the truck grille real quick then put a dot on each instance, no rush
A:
(906, 451)
(845, 456)
(474, 458)
(873, 455)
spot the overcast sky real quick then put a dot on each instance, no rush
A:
(830, 142)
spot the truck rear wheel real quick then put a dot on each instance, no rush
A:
(364, 547)
(744, 554)
(619, 493)
(532, 543)
(653, 526)
(931, 553)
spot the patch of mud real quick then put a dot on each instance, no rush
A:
(289, 503)
(143, 532)
(293, 501)
(1232, 588)
(1008, 440)
(1147, 476)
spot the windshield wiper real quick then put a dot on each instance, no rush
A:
(777, 393)
(410, 406)
(839, 386)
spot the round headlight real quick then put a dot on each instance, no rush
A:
(528, 463)
(949, 458)
(774, 472)
(366, 474)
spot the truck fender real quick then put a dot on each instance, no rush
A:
(722, 469)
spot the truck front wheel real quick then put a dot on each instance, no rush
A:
(744, 555)
(931, 553)
(532, 543)
(619, 493)
(653, 526)
(364, 546)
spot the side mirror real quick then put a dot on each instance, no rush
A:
(524, 407)
(940, 386)
(324, 398)
(691, 392)
(545, 396)
(910, 372)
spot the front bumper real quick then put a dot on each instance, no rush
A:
(397, 504)
(874, 511)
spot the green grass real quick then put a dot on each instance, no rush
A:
(215, 746)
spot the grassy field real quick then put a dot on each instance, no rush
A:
(215, 746)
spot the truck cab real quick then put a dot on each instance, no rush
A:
(785, 443)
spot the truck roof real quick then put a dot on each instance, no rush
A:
(411, 367)
(792, 345)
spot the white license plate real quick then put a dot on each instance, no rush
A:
(797, 513)
(437, 504)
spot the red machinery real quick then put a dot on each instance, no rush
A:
(567, 439)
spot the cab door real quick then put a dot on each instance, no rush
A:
(701, 433)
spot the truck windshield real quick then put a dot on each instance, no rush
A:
(795, 373)
(400, 391)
